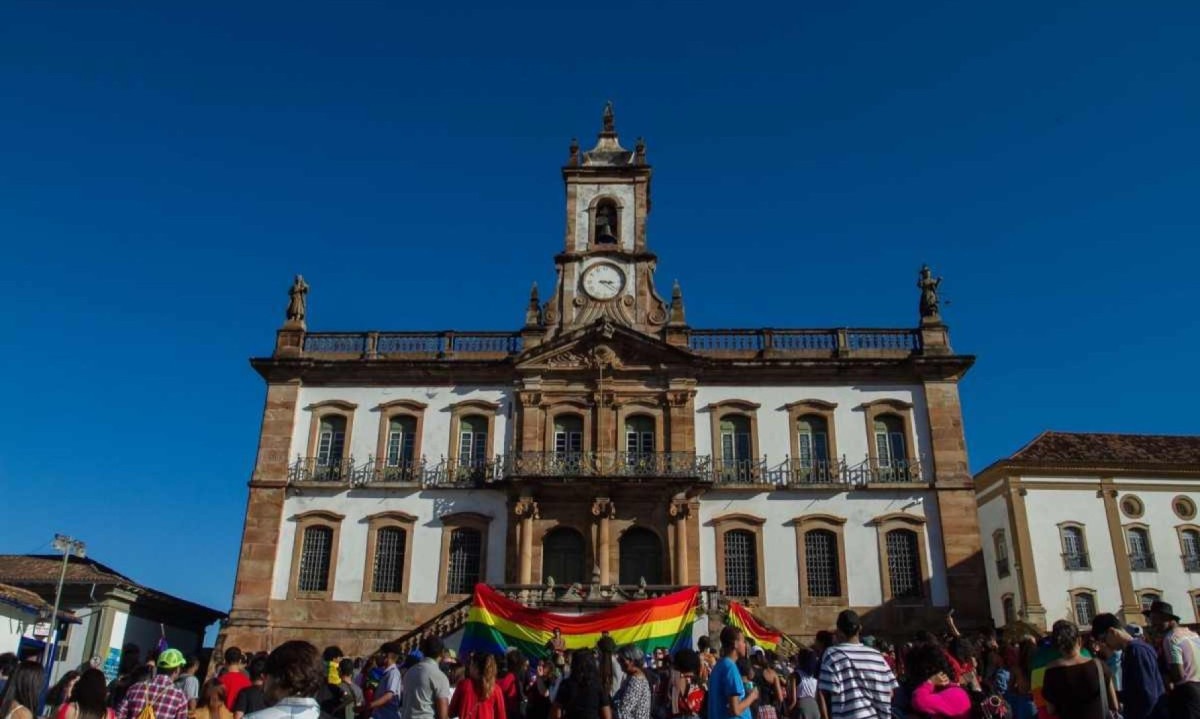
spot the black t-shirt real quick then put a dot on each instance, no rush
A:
(1074, 690)
(250, 700)
(581, 702)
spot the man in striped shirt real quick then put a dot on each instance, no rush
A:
(856, 682)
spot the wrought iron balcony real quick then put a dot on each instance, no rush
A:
(680, 465)
(323, 470)
(795, 473)
(1142, 562)
(1076, 561)
(1191, 562)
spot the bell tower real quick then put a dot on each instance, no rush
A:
(605, 270)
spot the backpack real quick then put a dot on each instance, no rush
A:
(147, 711)
(691, 700)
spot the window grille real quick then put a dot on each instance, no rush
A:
(1147, 599)
(1140, 556)
(1191, 550)
(741, 564)
(1085, 608)
(904, 565)
(465, 551)
(1074, 555)
(821, 563)
(315, 554)
(389, 560)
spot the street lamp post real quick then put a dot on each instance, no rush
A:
(68, 546)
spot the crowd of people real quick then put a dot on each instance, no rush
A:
(1111, 671)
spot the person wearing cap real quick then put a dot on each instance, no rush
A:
(855, 681)
(1142, 691)
(1181, 649)
(386, 703)
(159, 691)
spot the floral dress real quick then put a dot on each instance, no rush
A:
(633, 698)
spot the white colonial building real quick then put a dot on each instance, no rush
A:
(604, 450)
(1074, 524)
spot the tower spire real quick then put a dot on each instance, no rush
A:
(608, 121)
(533, 313)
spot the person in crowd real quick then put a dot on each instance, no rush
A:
(212, 702)
(608, 665)
(60, 694)
(634, 697)
(22, 691)
(386, 702)
(8, 664)
(1181, 650)
(581, 695)
(158, 691)
(685, 691)
(557, 644)
(188, 683)
(1020, 687)
(512, 683)
(1075, 686)
(332, 656)
(708, 658)
(478, 696)
(855, 682)
(1143, 695)
(130, 671)
(234, 677)
(933, 694)
(88, 698)
(254, 697)
(538, 693)
(355, 702)
(426, 692)
(802, 692)
(770, 686)
(728, 697)
(295, 675)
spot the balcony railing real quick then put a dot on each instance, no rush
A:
(1142, 562)
(796, 474)
(803, 342)
(413, 345)
(1077, 561)
(319, 470)
(1191, 562)
(681, 465)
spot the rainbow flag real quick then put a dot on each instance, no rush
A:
(741, 618)
(496, 623)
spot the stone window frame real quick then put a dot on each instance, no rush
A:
(1145, 529)
(468, 408)
(1062, 544)
(330, 407)
(1194, 597)
(804, 524)
(1075, 592)
(1137, 508)
(462, 520)
(1185, 516)
(592, 207)
(399, 408)
(753, 524)
(717, 411)
(303, 521)
(1179, 530)
(1006, 599)
(819, 408)
(406, 523)
(1139, 593)
(568, 406)
(1000, 541)
(913, 523)
(901, 410)
(642, 407)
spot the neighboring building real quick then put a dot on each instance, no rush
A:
(113, 611)
(1074, 524)
(25, 622)
(605, 443)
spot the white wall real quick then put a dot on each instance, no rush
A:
(993, 515)
(435, 442)
(13, 623)
(779, 508)
(426, 549)
(1174, 583)
(774, 435)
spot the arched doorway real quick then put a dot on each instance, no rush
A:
(641, 557)
(563, 556)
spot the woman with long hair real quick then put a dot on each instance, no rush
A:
(934, 695)
(607, 665)
(634, 697)
(1075, 686)
(60, 693)
(21, 695)
(581, 695)
(211, 704)
(802, 691)
(478, 696)
(512, 684)
(89, 698)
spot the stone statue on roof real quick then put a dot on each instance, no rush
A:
(297, 301)
(928, 285)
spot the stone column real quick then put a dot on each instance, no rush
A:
(526, 510)
(1018, 519)
(680, 511)
(604, 510)
(1131, 609)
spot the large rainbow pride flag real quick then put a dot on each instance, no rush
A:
(496, 623)
(740, 617)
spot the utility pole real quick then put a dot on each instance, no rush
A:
(68, 546)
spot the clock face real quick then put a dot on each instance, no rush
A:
(603, 282)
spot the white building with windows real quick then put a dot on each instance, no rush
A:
(1074, 524)
(606, 449)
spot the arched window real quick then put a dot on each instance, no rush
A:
(608, 223)
(465, 559)
(736, 462)
(1148, 598)
(890, 449)
(1075, 555)
(904, 566)
(401, 439)
(821, 563)
(390, 547)
(472, 440)
(315, 555)
(641, 557)
(1010, 610)
(1000, 542)
(1141, 558)
(812, 444)
(1083, 602)
(1189, 541)
(568, 443)
(562, 556)
(741, 563)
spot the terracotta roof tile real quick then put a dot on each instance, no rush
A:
(1099, 449)
(25, 598)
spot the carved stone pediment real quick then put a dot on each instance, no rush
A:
(604, 345)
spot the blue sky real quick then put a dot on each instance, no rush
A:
(166, 170)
